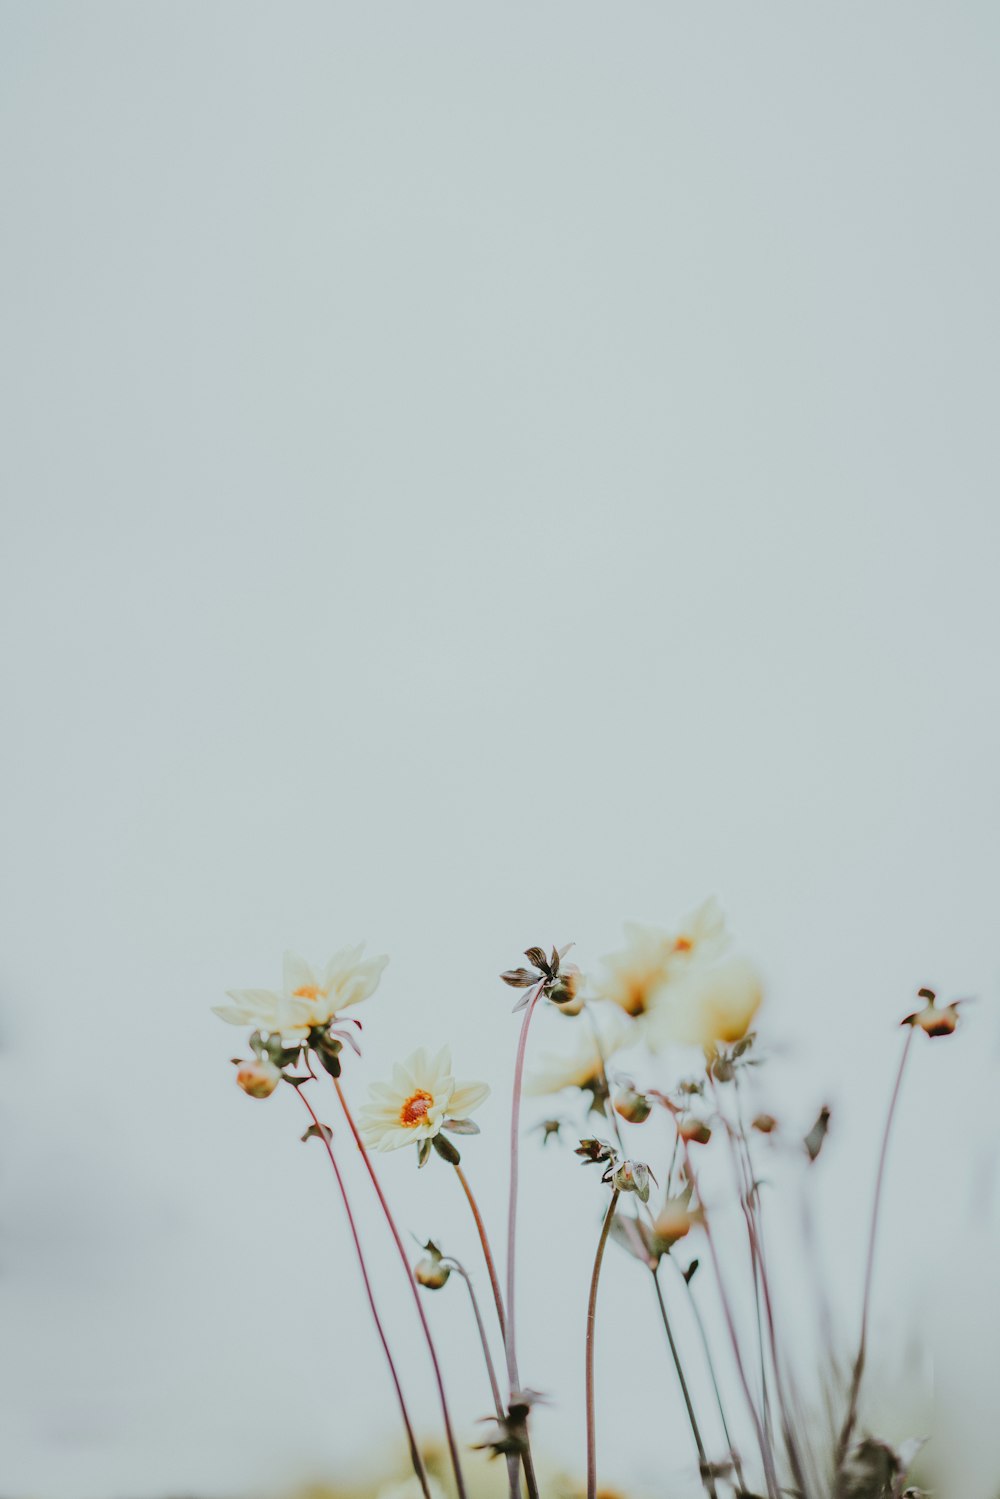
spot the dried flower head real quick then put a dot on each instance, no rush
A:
(934, 1020)
(422, 1100)
(555, 980)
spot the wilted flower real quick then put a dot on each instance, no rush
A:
(259, 1077)
(652, 959)
(710, 1007)
(932, 1019)
(583, 1066)
(422, 1099)
(432, 1271)
(307, 1000)
(560, 982)
(595, 1151)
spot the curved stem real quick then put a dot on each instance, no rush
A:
(700, 1324)
(591, 1315)
(460, 1269)
(859, 1363)
(428, 1338)
(416, 1459)
(705, 1470)
(487, 1252)
(515, 1145)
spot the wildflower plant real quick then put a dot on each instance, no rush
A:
(667, 994)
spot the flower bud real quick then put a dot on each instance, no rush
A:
(765, 1124)
(632, 1106)
(694, 1131)
(675, 1221)
(631, 1176)
(258, 1078)
(431, 1273)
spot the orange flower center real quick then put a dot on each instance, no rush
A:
(683, 944)
(308, 991)
(414, 1110)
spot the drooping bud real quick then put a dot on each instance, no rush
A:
(765, 1124)
(694, 1131)
(431, 1271)
(633, 1106)
(675, 1220)
(258, 1078)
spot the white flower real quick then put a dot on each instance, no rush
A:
(582, 1066)
(652, 958)
(415, 1106)
(306, 999)
(709, 1006)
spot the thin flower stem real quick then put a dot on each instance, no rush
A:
(513, 1466)
(609, 1108)
(416, 1459)
(707, 1477)
(460, 1269)
(487, 1252)
(700, 1324)
(515, 1143)
(767, 1456)
(400, 1246)
(591, 1316)
(859, 1363)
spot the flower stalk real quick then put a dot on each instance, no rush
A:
(602, 1244)
(456, 1462)
(415, 1458)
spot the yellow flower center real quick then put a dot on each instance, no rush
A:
(414, 1110)
(308, 991)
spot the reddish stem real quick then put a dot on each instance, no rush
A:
(591, 1317)
(401, 1247)
(418, 1466)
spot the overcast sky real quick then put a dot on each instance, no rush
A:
(473, 475)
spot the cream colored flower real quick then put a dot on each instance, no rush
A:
(582, 1066)
(652, 959)
(307, 999)
(710, 1006)
(422, 1097)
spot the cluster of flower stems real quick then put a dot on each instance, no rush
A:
(788, 1460)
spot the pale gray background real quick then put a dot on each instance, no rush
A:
(474, 473)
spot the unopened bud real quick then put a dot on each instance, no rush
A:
(258, 1078)
(694, 1131)
(432, 1271)
(765, 1124)
(631, 1176)
(675, 1221)
(632, 1106)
